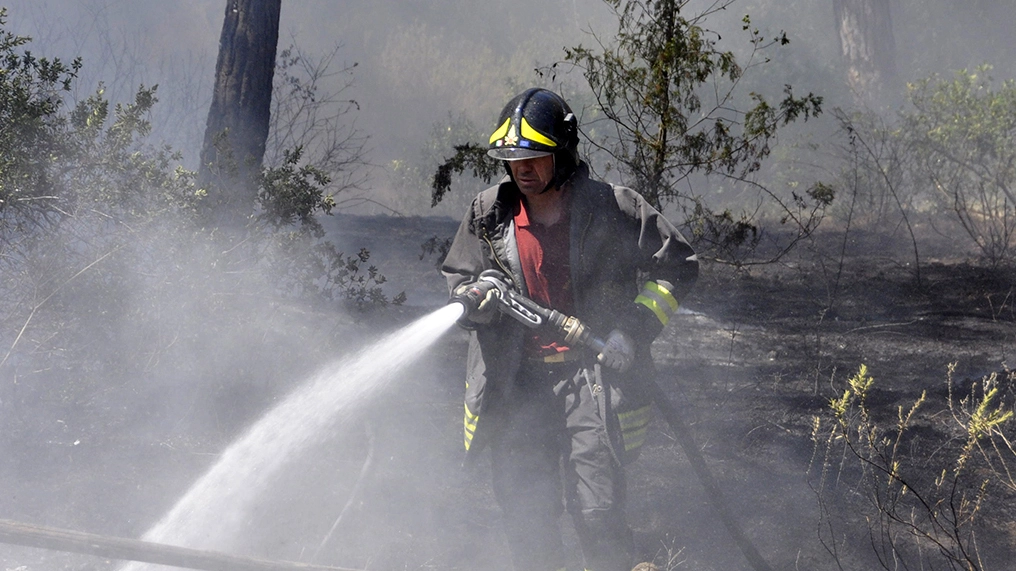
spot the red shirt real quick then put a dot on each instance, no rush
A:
(543, 255)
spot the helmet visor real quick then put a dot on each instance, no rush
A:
(515, 153)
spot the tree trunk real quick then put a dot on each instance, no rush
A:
(238, 119)
(869, 51)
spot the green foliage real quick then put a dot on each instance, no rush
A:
(90, 161)
(291, 193)
(109, 263)
(109, 167)
(650, 83)
(437, 247)
(306, 267)
(856, 392)
(724, 234)
(291, 244)
(471, 157)
(963, 133)
(918, 485)
(983, 414)
(30, 97)
(363, 289)
(86, 168)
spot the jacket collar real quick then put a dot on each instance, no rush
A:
(508, 197)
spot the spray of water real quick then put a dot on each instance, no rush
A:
(216, 506)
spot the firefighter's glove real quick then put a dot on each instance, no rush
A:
(618, 351)
(480, 300)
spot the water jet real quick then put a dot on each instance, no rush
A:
(209, 514)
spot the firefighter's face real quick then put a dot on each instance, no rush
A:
(533, 175)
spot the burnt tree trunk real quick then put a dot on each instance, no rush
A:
(238, 118)
(869, 51)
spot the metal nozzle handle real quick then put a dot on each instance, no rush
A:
(535, 315)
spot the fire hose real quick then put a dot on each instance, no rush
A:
(493, 287)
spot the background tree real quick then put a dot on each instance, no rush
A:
(869, 50)
(666, 100)
(239, 116)
(665, 106)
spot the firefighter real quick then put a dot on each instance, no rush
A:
(561, 422)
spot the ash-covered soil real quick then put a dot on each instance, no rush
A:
(752, 363)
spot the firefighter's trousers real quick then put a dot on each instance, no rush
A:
(554, 445)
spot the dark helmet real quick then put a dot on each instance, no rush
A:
(536, 123)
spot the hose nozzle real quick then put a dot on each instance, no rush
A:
(535, 315)
(475, 296)
(492, 286)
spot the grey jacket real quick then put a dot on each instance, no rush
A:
(624, 256)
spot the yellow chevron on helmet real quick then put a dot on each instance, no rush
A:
(532, 134)
(501, 131)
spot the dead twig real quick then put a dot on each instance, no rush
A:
(31, 314)
(884, 325)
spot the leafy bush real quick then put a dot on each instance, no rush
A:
(112, 275)
(964, 134)
(922, 496)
